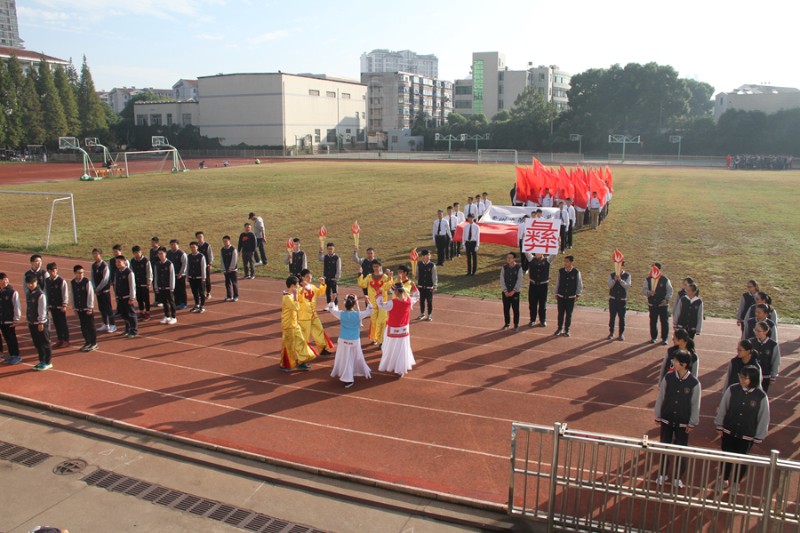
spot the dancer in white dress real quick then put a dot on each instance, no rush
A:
(397, 355)
(349, 360)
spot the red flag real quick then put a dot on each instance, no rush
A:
(609, 179)
(566, 189)
(523, 184)
(581, 188)
(597, 185)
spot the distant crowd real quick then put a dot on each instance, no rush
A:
(758, 162)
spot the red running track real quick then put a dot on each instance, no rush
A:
(444, 427)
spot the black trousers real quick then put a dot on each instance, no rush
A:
(60, 323)
(106, 311)
(673, 434)
(208, 277)
(735, 445)
(143, 298)
(537, 301)
(616, 308)
(562, 234)
(167, 297)
(41, 341)
(249, 265)
(128, 315)
(455, 249)
(523, 258)
(511, 303)
(425, 297)
(198, 291)
(10, 334)
(180, 290)
(331, 289)
(565, 307)
(765, 383)
(659, 313)
(569, 234)
(472, 256)
(260, 254)
(87, 327)
(231, 284)
(442, 242)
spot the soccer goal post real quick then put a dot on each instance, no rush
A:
(152, 162)
(497, 156)
(26, 214)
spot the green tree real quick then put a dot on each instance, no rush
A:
(456, 119)
(700, 102)
(741, 132)
(502, 116)
(93, 119)
(530, 123)
(68, 101)
(5, 85)
(30, 110)
(55, 122)
(11, 103)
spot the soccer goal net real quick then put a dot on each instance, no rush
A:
(497, 156)
(150, 162)
(31, 220)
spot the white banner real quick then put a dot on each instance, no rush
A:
(541, 236)
(510, 214)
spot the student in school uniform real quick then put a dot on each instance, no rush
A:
(688, 312)
(10, 315)
(57, 291)
(177, 257)
(470, 208)
(538, 287)
(196, 269)
(681, 341)
(36, 314)
(452, 221)
(296, 259)
(441, 237)
(101, 280)
(260, 232)
(125, 290)
(154, 246)
(83, 305)
(618, 287)
(164, 282)
(427, 281)
(37, 270)
(472, 241)
(230, 267)
(761, 313)
(247, 250)
(768, 354)
(143, 272)
(568, 287)
(511, 284)
(204, 247)
(332, 271)
(677, 411)
(745, 356)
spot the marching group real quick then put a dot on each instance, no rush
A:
(742, 417)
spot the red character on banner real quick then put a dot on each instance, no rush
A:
(541, 235)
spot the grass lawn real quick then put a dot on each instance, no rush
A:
(720, 227)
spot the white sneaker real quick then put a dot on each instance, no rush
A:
(678, 484)
(103, 327)
(164, 320)
(661, 479)
(173, 321)
(112, 329)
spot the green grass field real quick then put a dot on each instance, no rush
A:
(718, 226)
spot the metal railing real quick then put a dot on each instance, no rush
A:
(581, 481)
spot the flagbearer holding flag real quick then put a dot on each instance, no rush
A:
(658, 291)
(619, 282)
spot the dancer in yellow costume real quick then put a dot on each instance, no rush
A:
(376, 283)
(307, 317)
(403, 278)
(295, 351)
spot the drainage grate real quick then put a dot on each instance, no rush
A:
(20, 455)
(182, 501)
(71, 466)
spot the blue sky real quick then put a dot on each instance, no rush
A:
(153, 43)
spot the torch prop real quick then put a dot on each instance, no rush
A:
(413, 256)
(356, 232)
(618, 259)
(323, 233)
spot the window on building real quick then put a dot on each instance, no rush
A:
(169, 119)
(463, 104)
(394, 138)
(155, 120)
(331, 137)
(141, 120)
(345, 96)
(313, 92)
(317, 131)
(463, 89)
(500, 89)
(330, 94)
(499, 104)
(186, 119)
(347, 130)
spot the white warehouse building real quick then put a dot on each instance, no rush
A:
(269, 109)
